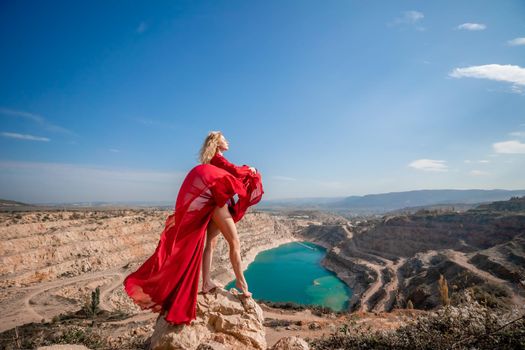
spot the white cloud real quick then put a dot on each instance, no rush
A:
(518, 133)
(508, 73)
(114, 150)
(509, 147)
(516, 42)
(34, 117)
(142, 27)
(429, 165)
(517, 90)
(409, 18)
(478, 173)
(14, 135)
(38, 119)
(412, 16)
(482, 161)
(472, 26)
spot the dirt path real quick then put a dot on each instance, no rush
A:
(461, 259)
(373, 288)
(105, 293)
(21, 308)
(390, 287)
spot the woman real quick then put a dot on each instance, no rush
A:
(211, 152)
(167, 282)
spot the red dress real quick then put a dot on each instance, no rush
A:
(169, 279)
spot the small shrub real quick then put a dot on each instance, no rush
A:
(443, 291)
(466, 326)
(81, 336)
(91, 307)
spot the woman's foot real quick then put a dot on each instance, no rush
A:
(243, 287)
(209, 286)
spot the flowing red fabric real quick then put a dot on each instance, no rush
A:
(168, 281)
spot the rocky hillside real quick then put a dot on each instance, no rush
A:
(397, 259)
(5, 203)
(52, 260)
(45, 246)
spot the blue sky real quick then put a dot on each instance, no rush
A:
(111, 100)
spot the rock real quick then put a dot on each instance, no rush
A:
(314, 325)
(291, 343)
(224, 321)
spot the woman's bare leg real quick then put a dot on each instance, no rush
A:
(212, 236)
(224, 221)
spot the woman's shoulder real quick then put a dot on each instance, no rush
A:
(218, 155)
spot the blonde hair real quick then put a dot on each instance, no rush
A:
(210, 146)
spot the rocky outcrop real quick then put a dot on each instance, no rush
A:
(290, 343)
(224, 320)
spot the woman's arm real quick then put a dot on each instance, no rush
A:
(221, 162)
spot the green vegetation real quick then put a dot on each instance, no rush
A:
(83, 327)
(91, 307)
(288, 305)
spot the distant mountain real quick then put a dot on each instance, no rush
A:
(309, 202)
(457, 207)
(515, 204)
(385, 202)
(94, 204)
(10, 203)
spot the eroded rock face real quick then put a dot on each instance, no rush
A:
(224, 319)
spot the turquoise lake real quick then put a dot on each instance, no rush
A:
(292, 272)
